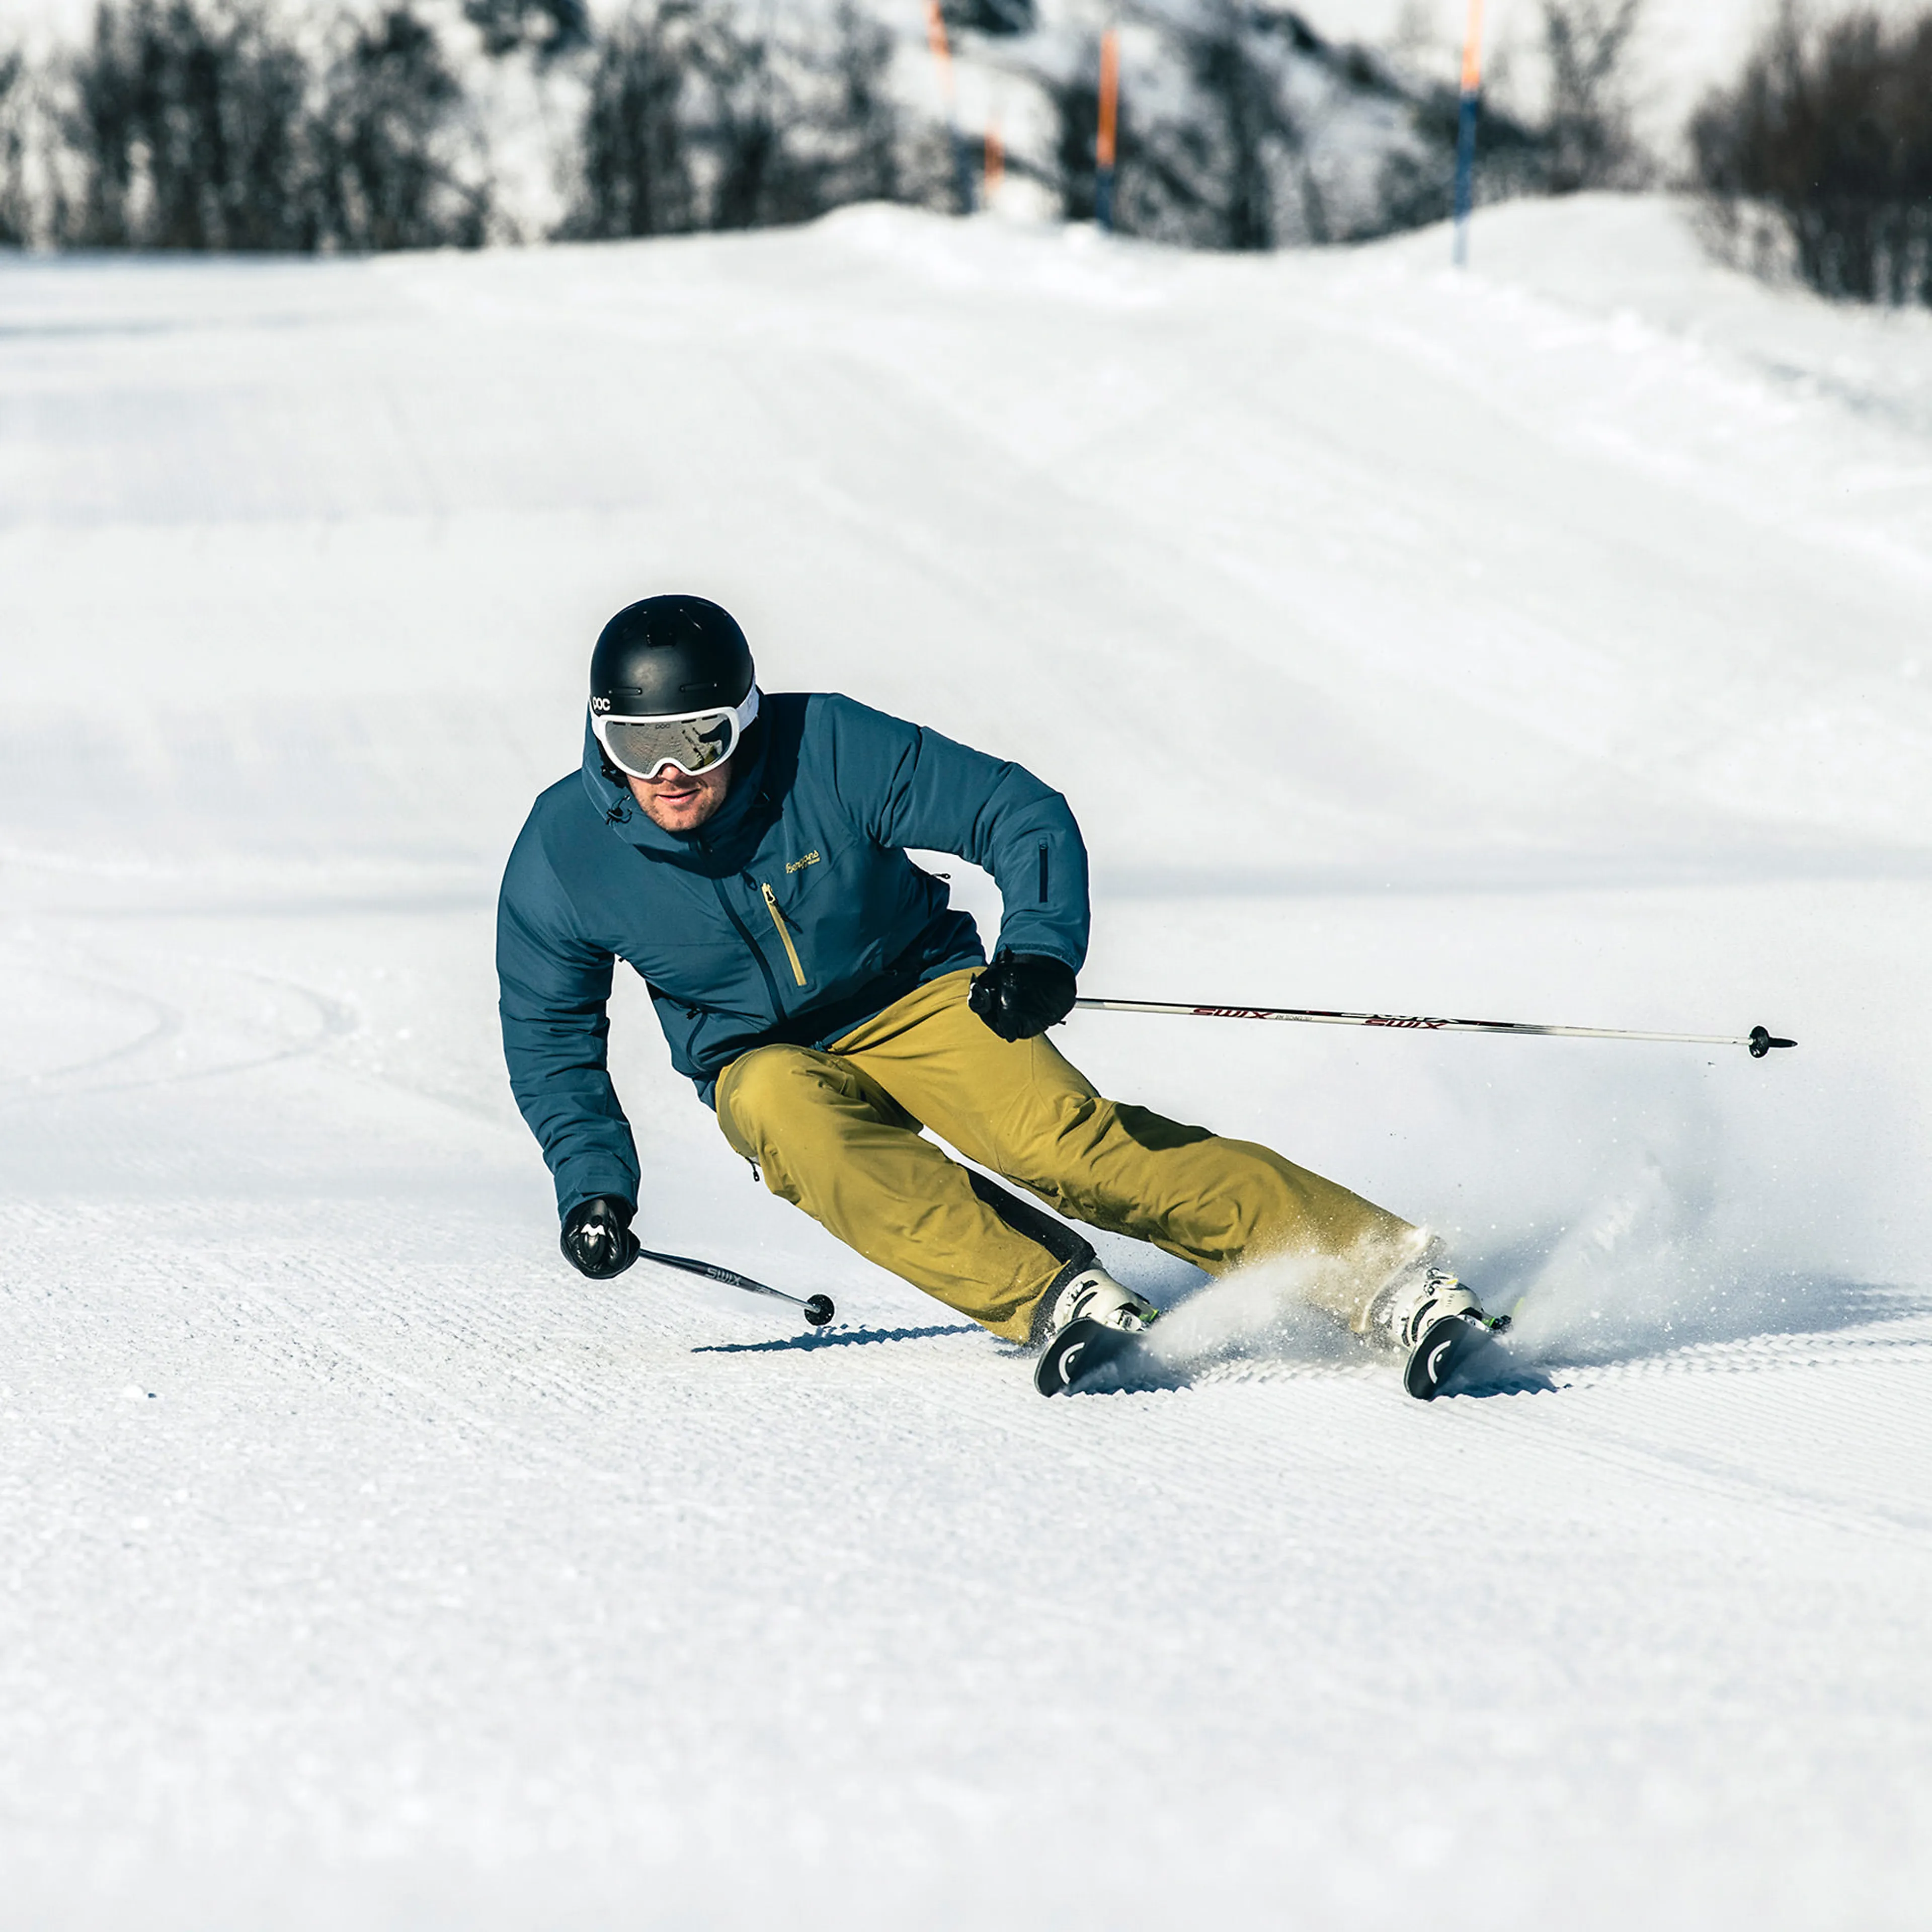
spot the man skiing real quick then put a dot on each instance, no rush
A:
(744, 852)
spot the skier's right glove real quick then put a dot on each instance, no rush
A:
(597, 1239)
(1020, 995)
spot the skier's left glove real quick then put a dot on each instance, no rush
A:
(1020, 995)
(597, 1239)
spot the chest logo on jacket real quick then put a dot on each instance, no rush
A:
(799, 864)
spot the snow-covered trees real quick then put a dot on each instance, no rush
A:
(693, 122)
(217, 124)
(1822, 152)
(1589, 140)
(184, 129)
(1242, 128)
(372, 124)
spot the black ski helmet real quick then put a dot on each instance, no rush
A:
(669, 656)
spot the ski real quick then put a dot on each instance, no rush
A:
(1082, 1352)
(1451, 1347)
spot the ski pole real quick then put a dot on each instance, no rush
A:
(1760, 1039)
(818, 1308)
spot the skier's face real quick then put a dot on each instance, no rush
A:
(677, 802)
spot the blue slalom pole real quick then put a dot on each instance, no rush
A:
(962, 173)
(1465, 131)
(1465, 176)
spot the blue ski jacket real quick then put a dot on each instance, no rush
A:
(792, 915)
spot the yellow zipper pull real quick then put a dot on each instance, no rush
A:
(784, 933)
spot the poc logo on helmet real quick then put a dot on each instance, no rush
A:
(600, 704)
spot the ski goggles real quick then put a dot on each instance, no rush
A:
(694, 741)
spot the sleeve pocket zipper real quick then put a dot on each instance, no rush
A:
(785, 932)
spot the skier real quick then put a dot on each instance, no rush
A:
(744, 852)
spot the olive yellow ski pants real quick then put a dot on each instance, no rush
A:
(837, 1133)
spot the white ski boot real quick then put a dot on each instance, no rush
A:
(1428, 1317)
(1091, 1321)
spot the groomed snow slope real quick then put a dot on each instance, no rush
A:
(1548, 643)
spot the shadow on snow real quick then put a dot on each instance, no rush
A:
(834, 1338)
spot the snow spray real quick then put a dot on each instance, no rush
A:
(1654, 1261)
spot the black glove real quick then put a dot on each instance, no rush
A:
(597, 1239)
(1022, 994)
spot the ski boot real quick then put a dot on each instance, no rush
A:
(1437, 1325)
(1091, 1321)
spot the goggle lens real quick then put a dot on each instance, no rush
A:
(644, 746)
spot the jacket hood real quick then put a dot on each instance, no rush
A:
(619, 811)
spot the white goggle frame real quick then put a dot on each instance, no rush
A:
(695, 742)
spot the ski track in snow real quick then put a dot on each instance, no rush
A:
(361, 1566)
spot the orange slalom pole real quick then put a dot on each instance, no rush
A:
(942, 59)
(1472, 50)
(1106, 135)
(942, 50)
(995, 166)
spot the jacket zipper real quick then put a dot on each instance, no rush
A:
(744, 932)
(784, 933)
(1043, 872)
